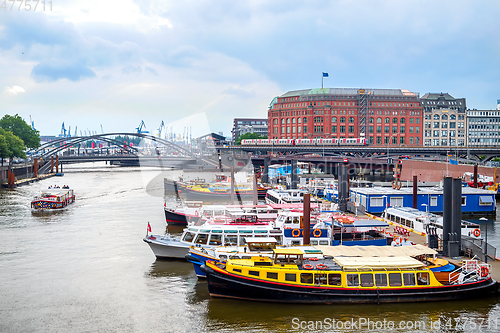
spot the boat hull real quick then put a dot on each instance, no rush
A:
(223, 284)
(166, 248)
(181, 219)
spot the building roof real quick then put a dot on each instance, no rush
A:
(350, 91)
(440, 96)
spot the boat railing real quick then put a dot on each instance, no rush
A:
(470, 271)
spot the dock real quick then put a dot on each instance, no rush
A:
(25, 181)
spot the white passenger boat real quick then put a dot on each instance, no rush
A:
(277, 196)
(419, 221)
(287, 230)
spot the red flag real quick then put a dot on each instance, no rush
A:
(149, 227)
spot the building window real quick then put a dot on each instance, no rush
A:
(351, 119)
(402, 120)
(305, 129)
(402, 140)
(351, 129)
(305, 121)
(379, 120)
(342, 119)
(402, 129)
(370, 120)
(342, 129)
(379, 140)
(394, 120)
(370, 129)
(334, 129)
(334, 119)
(386, 120)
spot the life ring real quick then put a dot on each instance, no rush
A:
(476, 232)
(331, 187)
(321, 266)
(484, 271)
(196, 213)
(398, 240)
(313, 259)
(318, 233)
(295, 232)
(308, 266)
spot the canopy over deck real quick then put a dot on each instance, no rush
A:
(375, 251)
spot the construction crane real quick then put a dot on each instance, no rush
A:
(76, 133)
(69, 132)
(162, 126)
(139, 129)
(102, 131)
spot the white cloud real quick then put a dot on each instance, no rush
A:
(14, 90)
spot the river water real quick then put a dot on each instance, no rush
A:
(86, 269)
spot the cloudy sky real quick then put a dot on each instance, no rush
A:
(200, 64)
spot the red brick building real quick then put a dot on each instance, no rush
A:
(382, 116)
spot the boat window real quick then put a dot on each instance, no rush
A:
(381, 280)
(423, 279)
(291, 277)
(215, 240)
(271, 275)
(323, 242)
(320, 278)
(335, 279)
(352, 280)
(366, 280)
(201, 239)
(295, 242)
(223, 257)
(255, 273)
(306, 278)
(409, 279)
(313, 242)
(395, 279)
(230, 240)
(242, 240)
(188, 237)
(237, 270)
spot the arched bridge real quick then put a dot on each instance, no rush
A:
(129, 154)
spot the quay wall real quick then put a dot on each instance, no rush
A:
(435, 171)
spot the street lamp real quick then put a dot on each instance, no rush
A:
(484, 219)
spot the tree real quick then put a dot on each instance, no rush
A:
(21, 129)
(14, 146)
(248, 136)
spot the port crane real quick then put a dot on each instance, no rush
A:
(63, 131)
(162, 127)
(139, 129)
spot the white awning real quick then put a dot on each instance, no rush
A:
(378, 262)
(375, 251)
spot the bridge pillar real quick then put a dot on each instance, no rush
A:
(294, 174)
(343, 187)
(57, 163)
(265, 174)
(51, 164)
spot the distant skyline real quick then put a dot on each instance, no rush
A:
(200, 64)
